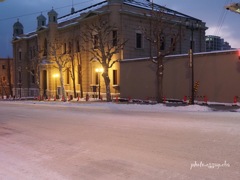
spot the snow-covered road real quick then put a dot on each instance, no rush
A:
(104, 141)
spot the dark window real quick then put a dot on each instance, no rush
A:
(34, 51)
(97, 77)
(70, 47)
(45, 48)
(173, 44)
(64, 48)
(115, 37)
(31, 53)
(20, 55)
(138, 40)
(3, 78)
(95, 41)
(162, 43)
(68, 75)
(33, 76)
(77, 46)
(79, 74)
(3, 66)
(19, 76)
(115, 77)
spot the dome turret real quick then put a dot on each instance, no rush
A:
(52, 16)
(41, 19)
(17, 28)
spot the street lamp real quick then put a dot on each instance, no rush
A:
(55, 76)
(192, 26)
(99, 70)
(234, 7)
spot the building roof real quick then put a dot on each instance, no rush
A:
(144, 4)
(70, 18)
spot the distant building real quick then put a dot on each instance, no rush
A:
(6, 77)
(127, 16)
(216, 43)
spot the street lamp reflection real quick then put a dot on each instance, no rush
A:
(55, 76)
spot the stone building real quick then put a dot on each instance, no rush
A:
(6, 78)
(36, 73)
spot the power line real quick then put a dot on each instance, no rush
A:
(30, 14)
(221, 18)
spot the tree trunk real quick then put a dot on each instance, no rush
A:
(80, 74)
(160, 80)
(73, 79)
(107, 84)
(62, 85)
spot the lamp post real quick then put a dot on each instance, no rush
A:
(55, 76)
(192, 26)
(99, 70)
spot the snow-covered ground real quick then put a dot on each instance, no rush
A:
(108, 141)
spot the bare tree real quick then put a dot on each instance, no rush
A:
(104, 43)
(34, 65)
(163, 34)
(60, 59)
(73, 65)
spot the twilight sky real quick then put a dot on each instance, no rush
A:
(220, 21)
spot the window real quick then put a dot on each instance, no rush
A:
(3, 66)
(64, 49)
(95, 41)
(68, 76)
(97, 77)
(162, 43)
(3, 79)
(77, 46)
(19, 76)
(79, 74)
(114, 37)
(20, 55)
(115, 82)
(33, 76)
(173, 43)
(70, 47)
(34, 51)
(138, 40)
(45, 48)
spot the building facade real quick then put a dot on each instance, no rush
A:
(35, 61)
(6, 78)
(216, 43)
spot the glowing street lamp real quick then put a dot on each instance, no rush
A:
(234, 7)
(99, 70)
(55, 76)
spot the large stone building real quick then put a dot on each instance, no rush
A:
(129, 17)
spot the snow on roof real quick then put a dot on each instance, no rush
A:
(79, 12)
(148, 5)
(181, 55)
(136, 3)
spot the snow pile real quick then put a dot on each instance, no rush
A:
(122, 106)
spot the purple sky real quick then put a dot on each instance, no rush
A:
(220, 21)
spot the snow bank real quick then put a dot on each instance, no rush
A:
(122, 106)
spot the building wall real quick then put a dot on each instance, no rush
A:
(218, 75)
(6, 78)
